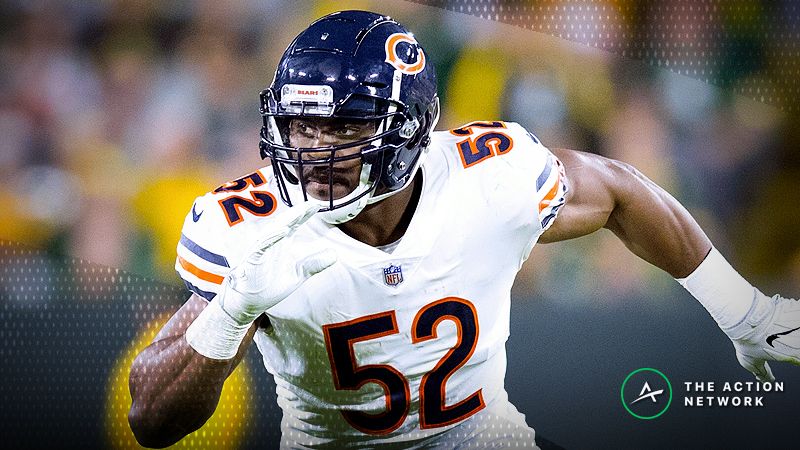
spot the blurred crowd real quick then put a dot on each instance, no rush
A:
(115, 115)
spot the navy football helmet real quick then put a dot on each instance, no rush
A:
(352, 65)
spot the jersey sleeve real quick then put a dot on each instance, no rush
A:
(201, 260)
(221, 228)
(551, 190)
(548, 187)
(524, 182)
(535, 184)
(517, 184)
(532, 176)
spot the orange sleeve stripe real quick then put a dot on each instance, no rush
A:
(550, 195)
(200, 273)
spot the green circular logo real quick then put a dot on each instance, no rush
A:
(649, 393)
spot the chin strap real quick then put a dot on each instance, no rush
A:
(345, 213)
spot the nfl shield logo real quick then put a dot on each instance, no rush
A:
(393, 275)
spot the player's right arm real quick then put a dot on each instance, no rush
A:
(237, 270)
(174, 388)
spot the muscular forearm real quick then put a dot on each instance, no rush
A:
(174, 388)
(655, 226)
(610, 194)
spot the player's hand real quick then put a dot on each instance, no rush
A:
(770, 332)
(273, 270)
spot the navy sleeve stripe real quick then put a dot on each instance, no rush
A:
(545, 174)
(203, 253)
(553, 213)
(205, 294)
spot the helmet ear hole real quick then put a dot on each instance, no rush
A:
(422, 129)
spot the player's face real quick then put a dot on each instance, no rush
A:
(322, 132)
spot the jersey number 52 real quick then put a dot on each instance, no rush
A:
(347, 374)
(475, 149)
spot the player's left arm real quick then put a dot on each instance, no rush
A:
(605, 193)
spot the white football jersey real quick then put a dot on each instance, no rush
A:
(394, 347)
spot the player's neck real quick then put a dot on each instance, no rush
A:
(386, 221)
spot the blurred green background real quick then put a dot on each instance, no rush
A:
(116, 114)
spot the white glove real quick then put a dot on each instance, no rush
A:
(272, 271)
(267, 276)
(769, 332)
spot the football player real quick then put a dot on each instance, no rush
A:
(372, 261)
